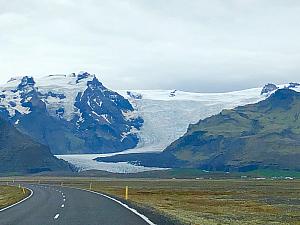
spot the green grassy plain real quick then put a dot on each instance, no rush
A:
(205, 201)
(10, 195)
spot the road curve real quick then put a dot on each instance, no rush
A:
(67, 206)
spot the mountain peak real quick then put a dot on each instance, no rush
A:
(20, 81)
(268, 88)
(93, 84)
(77, 106)
(26, 85)
(293, 85)
(84, 75)
(26, 81)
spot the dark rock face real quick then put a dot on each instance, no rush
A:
(173, 93)
(268, 88)
(162, 160)
(101, 120)
(19, 154)
(54, 95)
(105, 107)
(82, 76)
(293, 85)
(134, 95)
(26, 82)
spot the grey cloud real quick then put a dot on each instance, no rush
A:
(190, 45)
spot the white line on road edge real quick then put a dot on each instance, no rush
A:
(56, 216)
(62, 205)
(124, 205)
(145, 218)
(23, 200)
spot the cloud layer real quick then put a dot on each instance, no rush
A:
(191, 45)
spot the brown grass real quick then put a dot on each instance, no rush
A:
(10, 195)
(207, 201)
(215, 202)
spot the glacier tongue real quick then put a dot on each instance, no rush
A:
(168, 113)
(86, 162)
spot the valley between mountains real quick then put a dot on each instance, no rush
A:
(78, 119)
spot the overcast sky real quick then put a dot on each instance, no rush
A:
(193, 45)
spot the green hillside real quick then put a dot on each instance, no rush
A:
(261, 135)
(265, 135)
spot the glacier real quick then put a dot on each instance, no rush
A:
(166, 114)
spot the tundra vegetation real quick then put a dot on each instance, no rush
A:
(205, 201)
(10, 195)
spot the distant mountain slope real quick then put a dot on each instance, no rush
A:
(19, 154)
(266, 134)
(168, 113)
(261, 135)
(70, 113)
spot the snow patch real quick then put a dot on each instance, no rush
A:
(66, 85)
(12, 96)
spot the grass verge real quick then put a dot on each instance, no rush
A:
(207, 201)
(10, 195)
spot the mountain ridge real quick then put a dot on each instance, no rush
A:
(260, 135)
(73, 113)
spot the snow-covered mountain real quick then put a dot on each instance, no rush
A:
(70, 113)
(263, 135)
(167, 115)
(76, 114)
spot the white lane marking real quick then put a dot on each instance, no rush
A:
(56, 216)
(119, 202)
(64, 199)
(31, 193)
(63, 205)
(145, 218)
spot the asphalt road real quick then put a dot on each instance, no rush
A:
(66, 206)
